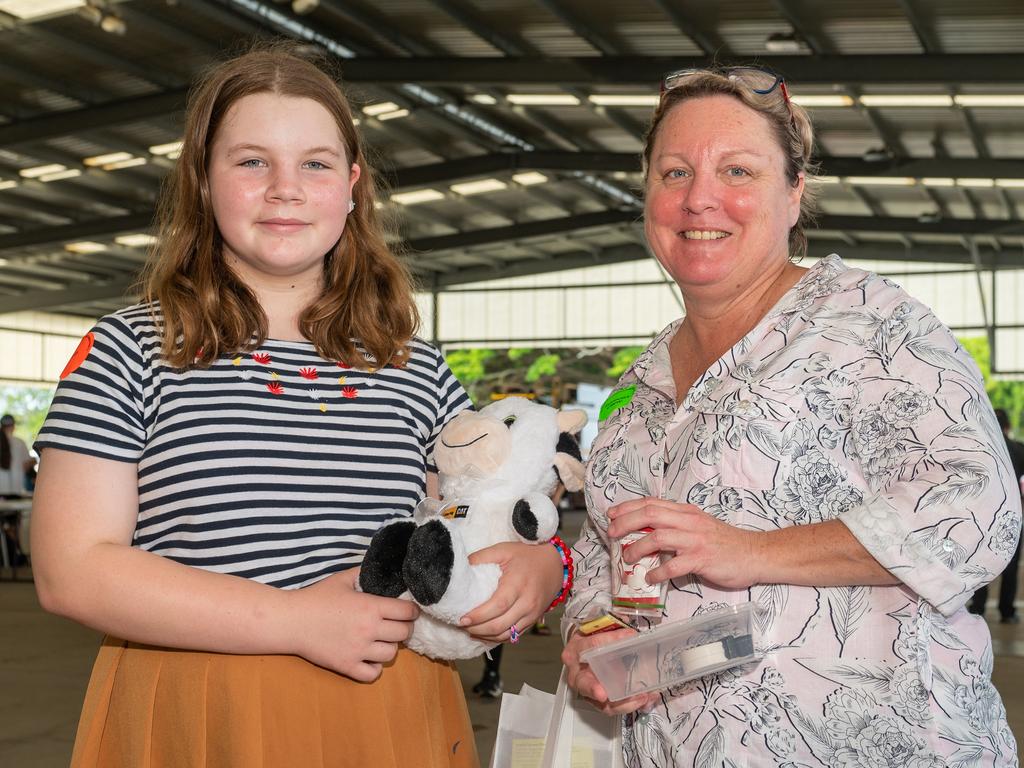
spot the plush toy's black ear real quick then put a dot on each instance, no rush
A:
(381, 572)
(570, 444)
(428, 569)
(568, 462)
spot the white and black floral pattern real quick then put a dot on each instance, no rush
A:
(849, 401)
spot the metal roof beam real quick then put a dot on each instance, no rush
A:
(903, 69)
(523, 231)
(96, 228)
(76, 121)
(579, 259)
(826, 69)
(53, 300)
(708, 40)
(925, 36)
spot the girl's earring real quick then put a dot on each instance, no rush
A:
(351, 205)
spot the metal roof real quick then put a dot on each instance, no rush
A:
(70, 90)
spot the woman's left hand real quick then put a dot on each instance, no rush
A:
(698, 543)
(531, 576)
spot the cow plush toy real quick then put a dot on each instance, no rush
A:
(497, 469)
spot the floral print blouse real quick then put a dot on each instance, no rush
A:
(848, 401)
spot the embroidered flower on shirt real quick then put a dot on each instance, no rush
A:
(237, 360)
(275, 388)
(309, 373)
(263, 358)
(349, 392)
(341, 364)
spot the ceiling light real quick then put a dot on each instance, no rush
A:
(417, 196)
(70, 173)
(823, 100)
(375, 109)
(113, 24)
(979, 183)
(393, 114)
(824, 179)
(483, 98)
(304, 6)
(166, 149)
(478, 187)
(527, 178)
(110, 157)
(8, 183)
(624, 99)
(876, 155)
(33, 9)
(543, 99)
(938, 181)
(784, 42)
(906, 100)
(85, 246)
(881, 181)
(1004, 183)
(129, 162)
(41, 170)
(990, 99)
(137, 240)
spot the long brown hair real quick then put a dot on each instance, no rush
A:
(791, 129)
(207, 310)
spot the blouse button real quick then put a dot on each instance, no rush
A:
(948, 545)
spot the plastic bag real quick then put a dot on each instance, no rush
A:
(538, 730)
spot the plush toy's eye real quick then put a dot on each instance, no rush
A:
(509, 421)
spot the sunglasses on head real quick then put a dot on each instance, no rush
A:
(759, 80)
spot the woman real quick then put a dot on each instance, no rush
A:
(811, 440)
(15, 460)
(217, 459)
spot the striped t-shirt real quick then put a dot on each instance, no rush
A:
(275, 465)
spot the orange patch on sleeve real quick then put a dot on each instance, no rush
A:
(81, 352)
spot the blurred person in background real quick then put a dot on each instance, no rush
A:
(15, 460)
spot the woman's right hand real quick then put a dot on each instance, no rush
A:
(582, 679)
(348, 631)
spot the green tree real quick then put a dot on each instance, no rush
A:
(545, 372)
(28, 405)
(1002, 393)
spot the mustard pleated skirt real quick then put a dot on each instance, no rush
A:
(149, 707)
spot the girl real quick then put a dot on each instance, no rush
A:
(218, 458)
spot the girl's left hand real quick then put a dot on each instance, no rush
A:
(698, 543)
(531, 577)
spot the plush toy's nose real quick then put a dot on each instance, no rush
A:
(472, 444)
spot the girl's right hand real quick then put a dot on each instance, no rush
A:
(348, 631)
(581, 679)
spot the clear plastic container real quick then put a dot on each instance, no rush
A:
(674, 652)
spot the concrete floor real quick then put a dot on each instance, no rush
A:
(45, 663)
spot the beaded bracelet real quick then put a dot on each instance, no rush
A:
(567, 572)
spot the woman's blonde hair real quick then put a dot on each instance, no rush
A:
(791, 127)
(367, 295)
